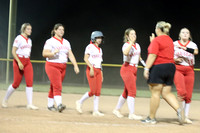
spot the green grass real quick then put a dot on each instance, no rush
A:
(82, 89)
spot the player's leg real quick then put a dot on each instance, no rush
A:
(97, 93)
(79, 102)
(50, 104)
(18, 74)
(189, 84)
(55, 77)
(28, 74)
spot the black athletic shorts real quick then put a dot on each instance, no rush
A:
(162, 74)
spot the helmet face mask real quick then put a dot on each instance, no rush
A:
(95, 35)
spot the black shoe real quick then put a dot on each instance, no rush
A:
(149, 120)
(61, 107)
(52, 108)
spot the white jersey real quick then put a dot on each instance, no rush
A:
(62, 45)
(188, 58)
(96, 54)
(134, 54)
(24, 45)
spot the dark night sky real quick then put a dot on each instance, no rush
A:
(111, 17)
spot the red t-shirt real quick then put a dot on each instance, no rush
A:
(163, 47)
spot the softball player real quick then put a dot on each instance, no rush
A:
(22, 66)
(93, 59)
(184, 51)
(131, 56)
(159, 71)
(57, 50)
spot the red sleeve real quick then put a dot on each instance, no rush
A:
(153, 47)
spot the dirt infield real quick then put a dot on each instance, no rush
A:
(17, 119)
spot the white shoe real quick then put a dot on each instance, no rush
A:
(78, 107)
(188, 121)
(134, 117)
(97, 113)
(4, 103)
(31, 106)
(117, 113)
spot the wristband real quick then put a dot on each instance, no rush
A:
(190, 50)
(146, 69)
(143, 63)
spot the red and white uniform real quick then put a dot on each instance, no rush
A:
(95, 59)
(184, 75)
(62, 45)
(56, 66)
(24, 50)
(96, 54)
(128, 70)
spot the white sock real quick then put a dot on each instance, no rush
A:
(84, 97)
(58, 100)
(183, 104)
(187, 108)
(121, 102)
(96, 103)
(9, 92)
(131, 104)
(29, 94)
(50, 102)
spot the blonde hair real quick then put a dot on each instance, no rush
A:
(126, 34)
(23, 27)
(190, 38)
(164, 26)
(56, 26)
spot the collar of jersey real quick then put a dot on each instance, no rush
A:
(133, 45)
(61, 41)
(25, 38)
(95, 46)
(182, 44)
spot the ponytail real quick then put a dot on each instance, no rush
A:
(164, 26)
(56, 26)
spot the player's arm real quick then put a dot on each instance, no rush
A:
(142, 62)
(150, 60)
(86, 57)
(73, 60)
(190, 50)
(48, 54)
(14, 49)
(127, 50)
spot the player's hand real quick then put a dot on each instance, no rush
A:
(91, 72)
(178, 60)
(146, 74)
(152, 37)
(56, 51)
(21, 66)
(76, 70)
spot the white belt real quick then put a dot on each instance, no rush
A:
(23, 56)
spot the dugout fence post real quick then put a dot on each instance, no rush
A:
(11, 33)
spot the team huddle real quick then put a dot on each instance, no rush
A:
(168, 62)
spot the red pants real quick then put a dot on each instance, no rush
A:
(27, 72)
(56, 74)
(184, 82)
(95, 82)
(129, 76)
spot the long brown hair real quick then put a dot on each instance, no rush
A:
(56, 26)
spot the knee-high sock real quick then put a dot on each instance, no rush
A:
(29, 94)
(84, 97)
(96, 103)
(50, 102)
(131, 104)
(121, 102)
(58, 100)
(9, 92)
(187, 108)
